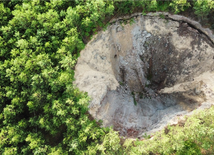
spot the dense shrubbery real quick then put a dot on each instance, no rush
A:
(41, 112)
(203, 7)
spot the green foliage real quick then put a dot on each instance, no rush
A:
(131, 21)
(121, 83)
(111, 144)
(179, 5)
(203, 7)
(190, 148)
(4, 11)
(162, 16)
(196, 134)
(146, 136)
(41, 112)
(134, 100)
(163, 5)
(127, 7)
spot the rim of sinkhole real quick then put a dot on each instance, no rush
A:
(143, 76)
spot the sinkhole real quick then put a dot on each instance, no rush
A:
(143, 76)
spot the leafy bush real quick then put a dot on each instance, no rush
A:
(197, 134)
(203, 7)
(41, 111)
(179, 5)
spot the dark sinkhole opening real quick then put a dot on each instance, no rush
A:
(147, 74)
(142, 105)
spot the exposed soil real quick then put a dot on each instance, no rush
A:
(145, 75)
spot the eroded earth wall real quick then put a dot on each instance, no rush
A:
(141, 76)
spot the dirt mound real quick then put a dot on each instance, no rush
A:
(142, 76)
